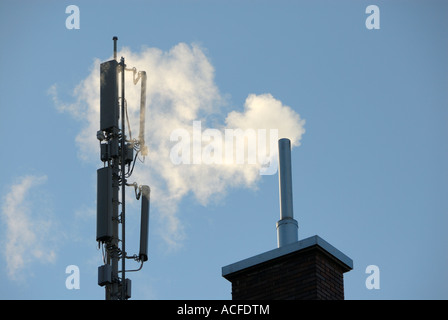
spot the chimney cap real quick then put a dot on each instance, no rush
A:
(301, 245)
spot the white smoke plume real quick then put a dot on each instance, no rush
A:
(180, 90)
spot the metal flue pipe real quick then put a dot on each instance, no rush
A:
(287, 226)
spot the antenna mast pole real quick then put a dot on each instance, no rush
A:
(113, 289)
(123, 182)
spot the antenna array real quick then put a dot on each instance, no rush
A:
(117, 155)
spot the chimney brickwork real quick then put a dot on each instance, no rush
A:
(305, 272)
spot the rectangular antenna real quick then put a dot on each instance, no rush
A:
(144, 224)
(141, 136)
(109, 109)
(104, 205)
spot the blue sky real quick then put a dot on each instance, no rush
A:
(370, 175)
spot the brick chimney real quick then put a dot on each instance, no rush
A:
(309, 269)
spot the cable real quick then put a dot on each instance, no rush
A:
(133, 165)
(134, 71)
(140, 268)
(103, 253)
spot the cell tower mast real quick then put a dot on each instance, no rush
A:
(117, 153)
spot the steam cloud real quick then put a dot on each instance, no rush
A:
(180, 90)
